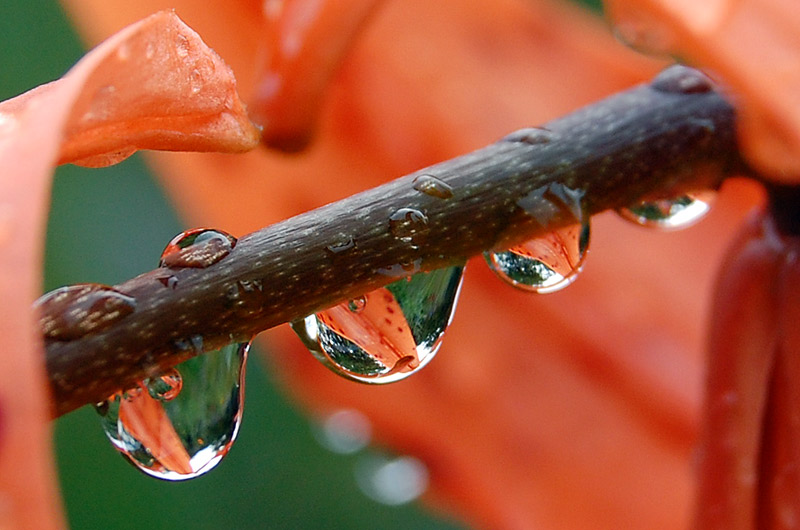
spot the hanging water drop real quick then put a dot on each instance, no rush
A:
(197, 248)
(397, 331)
(430, 185)
(180, 424)
(545, 264)
(670, 214)
(70, 312)
(550, 262)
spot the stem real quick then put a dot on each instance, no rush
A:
(643, 142)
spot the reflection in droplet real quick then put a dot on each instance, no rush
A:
(70, 312)
(189, 426)
(670, 214)
(545, 264)
(391, 481)
(430, 185)
(171, 282)
(197, 248)
(409, 225)
(398, 330)
(682, 79)
(345, 432)
(550, 262)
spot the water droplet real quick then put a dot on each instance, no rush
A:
(181, 436)
(165, 387)
(530, 135)
(430, 185)
(391, 481)
(171, 282)
(399, 270)
(356, 305)
(346, 431)
(409, 225)
(197, 248)
(398, 330)
(544, 264)
(70, 312)
(670, 214)
(342, 244)
(682, 79)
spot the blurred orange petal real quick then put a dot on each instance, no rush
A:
(571, 410)
(754, 48)
(96, 113)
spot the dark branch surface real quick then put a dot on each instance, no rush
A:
(670, 136)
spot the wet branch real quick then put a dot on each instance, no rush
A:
(672, 135)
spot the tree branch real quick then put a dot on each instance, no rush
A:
(670, 136)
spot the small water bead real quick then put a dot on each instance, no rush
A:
(356, 305)
(70, 312)
(397, 331)
(186, 429)
(670, 214)
(166, 386)
(409, 225)
(197, 248)
(171, 282)
(545, 264)
(343, 244)
(682, 79)
(531, 135)
(430, 185)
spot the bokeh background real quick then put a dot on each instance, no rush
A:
(107, 225)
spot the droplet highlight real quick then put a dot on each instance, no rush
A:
(435, 187)
(670, 214)
(71, 312)
(180, 424)
(409, 225)
(398, 330)
(197, 248)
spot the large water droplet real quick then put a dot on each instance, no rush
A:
(397, 331)
(186, 420)
(670, 214)
(409, 225)
(70, 312)
(197, 248)
(430, 185)
(545, 264)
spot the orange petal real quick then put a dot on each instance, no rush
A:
(304, 43)
(754, 47)
(743, 342)
(155, 85)
(146, 420)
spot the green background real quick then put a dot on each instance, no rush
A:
(107, 225)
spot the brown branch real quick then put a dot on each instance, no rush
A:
(672, 135)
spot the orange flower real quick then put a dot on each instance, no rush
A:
(577, 409)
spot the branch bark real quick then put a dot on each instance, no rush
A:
(672, 135)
